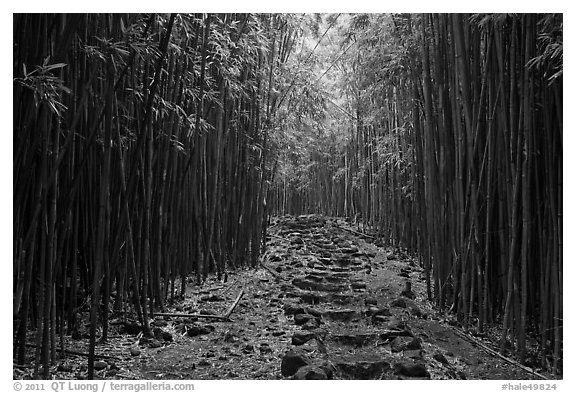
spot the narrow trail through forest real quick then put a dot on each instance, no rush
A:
(326, 303)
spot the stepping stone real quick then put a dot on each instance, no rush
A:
(310, 372)
(341, 315)
(392, 334)
(362, 369)
(400, 344)
(411, 369)
(301, 319)
(293, 309)
(317, 286)
(314, 312)
(357, 339)
(311, 324)
(374, 311)
(336, 280)
(300, 338)
(342, 299)
(416, 354)
(292, 362)
(308, 297)
(376, 319)
(396, 324)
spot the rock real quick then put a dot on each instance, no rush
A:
(305, 284)
(292, 362)
(404, 274)
(308, 297)
(197, 330)
(388, 335)
(100, 365)
(311, 324)
(416, 354)
(328, 368)
(135, 351)
(203, 362)
(411, 369)
(65, 368)
(358, 339)
(162, 334)
(373, 311)
(278, 269)
(248, 348)
(293, 309)
(314, 312)
(440, 357)
(310, 372)
(154, 343)
(278, 333)
(314, 277)
(160, 323)
(265, 348)
(376, 319)
(390, 256)
(371, 301)
(397, 324)
(300, 338)
(363, 369)
(400, 344)
(301, 319)
(461, 374)
(401, 303)
(341, 315)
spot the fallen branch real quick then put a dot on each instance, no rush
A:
(177, 315)
(355, 232)
(78, 353)
(496, 353)
(233, 306)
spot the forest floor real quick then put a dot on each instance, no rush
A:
(328, 304)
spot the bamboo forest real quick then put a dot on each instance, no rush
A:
(287, 196)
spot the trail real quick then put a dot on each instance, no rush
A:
(329, 305)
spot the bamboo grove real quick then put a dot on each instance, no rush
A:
(452, 149)
(140, 149)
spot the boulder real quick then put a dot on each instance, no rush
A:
(362, 369)
(301, 319)
(300, 338)
(341, 315)
(411, 369)
(292, 361)
(310, 372)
